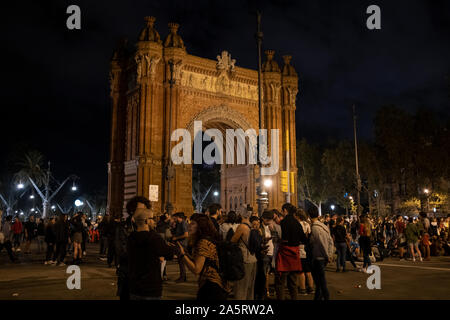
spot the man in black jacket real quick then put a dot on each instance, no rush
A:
(62, 238)
(291, 236)
(145, 247)
(123, 231)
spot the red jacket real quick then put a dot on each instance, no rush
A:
(288, 259)
(17, 227)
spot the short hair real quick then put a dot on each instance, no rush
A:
(133, 202)
(253, 218)
(213, 208)
(339, 220)
(289, 208)
(313, 212)
(267, 215)
(300, 213)
(231, 217)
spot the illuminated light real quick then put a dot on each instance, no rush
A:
(332, 207)
(53, 207)
(32, 196)
(268, 183)
(78, 203)
(434, 210)
(20, 186)
(426, 191)
(32, 209)
(216, 193)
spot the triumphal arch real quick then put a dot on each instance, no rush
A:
(157, 87)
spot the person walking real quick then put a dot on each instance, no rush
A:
(144, 248)
(203, 237)
(50, 240)
(340, 236)
(400, 227)
(181, 235)
(244, 289)
(320, 251)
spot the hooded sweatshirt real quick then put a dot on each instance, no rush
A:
(321, 242)
(144, 249)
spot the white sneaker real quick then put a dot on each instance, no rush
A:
(414, 259)
(421, 260)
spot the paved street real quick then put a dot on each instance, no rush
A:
(31, 279)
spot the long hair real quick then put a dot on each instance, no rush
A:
(205, 229)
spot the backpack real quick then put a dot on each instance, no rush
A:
(231, 261)
(254, 241)
(229, 235)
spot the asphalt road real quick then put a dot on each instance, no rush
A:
(30, 279)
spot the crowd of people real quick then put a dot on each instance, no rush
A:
(234, 255)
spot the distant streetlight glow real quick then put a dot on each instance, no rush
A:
(53, 207)
(434, 210)
(32, 209)
(426, 191)
(268, 183)
(332, 207)
(216, 193)
(78, 203)
(20, 185)
(32, 196)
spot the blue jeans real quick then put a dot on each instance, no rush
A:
(318, 274)
(341, 248)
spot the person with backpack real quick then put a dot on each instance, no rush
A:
(205, 262)
(288, 264)
(244, 288)
(319, 252)
(125, 228)
(228, 228)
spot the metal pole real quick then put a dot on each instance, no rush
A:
(169, 206)
(358, 178)
(261, 194)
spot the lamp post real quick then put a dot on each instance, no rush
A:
(427, 193)
(169, 168)
(262, 199)
(358, 178)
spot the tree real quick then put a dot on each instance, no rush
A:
(31, 166)
(338, 172)
(312, 184)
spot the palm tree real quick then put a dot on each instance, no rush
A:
(31, 166)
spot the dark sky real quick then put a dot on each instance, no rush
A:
(56, 97)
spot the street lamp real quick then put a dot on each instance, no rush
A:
(426, 191)
(332, 207)
(53, 207)
(32, 209)
(78, 203)
(268, 183)
(32, 196)
(74, 187)
(215, 193)
(20, 185)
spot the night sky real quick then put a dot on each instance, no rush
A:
(56, 99)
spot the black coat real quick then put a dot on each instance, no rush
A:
(50, 236)
(292, 233)
(144, 266)
(62, 231)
